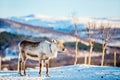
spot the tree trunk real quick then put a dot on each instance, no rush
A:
(76, 51)
(103, 54)
(90, 53)
(114, 58)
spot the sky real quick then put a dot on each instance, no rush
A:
(83, 8)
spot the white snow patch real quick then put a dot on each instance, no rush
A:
(73, 72)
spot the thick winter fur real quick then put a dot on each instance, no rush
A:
(43, 50)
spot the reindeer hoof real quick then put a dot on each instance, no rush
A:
(26, 75)
(47, 75)
(20, 74)
(40, 75)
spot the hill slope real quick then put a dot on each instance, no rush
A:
(73, 72)
(34, 31)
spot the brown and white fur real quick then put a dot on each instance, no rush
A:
(43, 50)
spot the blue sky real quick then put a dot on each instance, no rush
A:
(83, 8)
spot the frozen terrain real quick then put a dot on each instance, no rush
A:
(73, 72)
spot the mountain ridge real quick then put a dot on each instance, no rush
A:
(27, 29)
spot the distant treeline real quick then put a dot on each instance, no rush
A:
(81, 46)
(7, 38)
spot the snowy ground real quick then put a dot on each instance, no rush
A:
(73, 72)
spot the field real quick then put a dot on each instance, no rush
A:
(73, 72)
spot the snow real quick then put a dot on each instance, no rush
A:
(73, 72)
(62, 24)
(61, 21)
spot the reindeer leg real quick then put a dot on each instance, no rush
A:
(20, 67)
(40, 72)
(24, 67)
(19, 64)
(47, 66)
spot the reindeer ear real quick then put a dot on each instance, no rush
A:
(54, 41)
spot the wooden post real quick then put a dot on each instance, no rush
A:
(85, 59)
(0, 63)
(115, 58)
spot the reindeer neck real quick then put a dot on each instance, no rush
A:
(54, 48)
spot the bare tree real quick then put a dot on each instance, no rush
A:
(106, 33)
(75, 21)
(91, 26)
(76, 45)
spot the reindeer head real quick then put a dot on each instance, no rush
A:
(60, 45)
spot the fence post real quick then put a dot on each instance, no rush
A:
(85, 59)
(115, 58)
(0, 63)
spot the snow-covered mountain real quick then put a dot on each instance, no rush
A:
(65, 24)
(56, 23)
(34, 31)
(62, 23)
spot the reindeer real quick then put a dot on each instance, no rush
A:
(43, 50)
